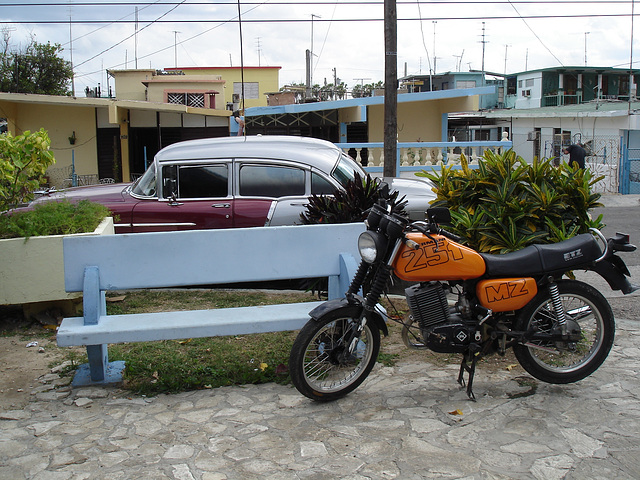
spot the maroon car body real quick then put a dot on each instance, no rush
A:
(233, 182)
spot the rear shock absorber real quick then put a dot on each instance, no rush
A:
(558, 307)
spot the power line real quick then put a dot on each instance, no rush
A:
(133, 34)
(346, 20)
(333, 2)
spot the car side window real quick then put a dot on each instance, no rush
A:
(203, 181)
(271, 181)
(320, 185)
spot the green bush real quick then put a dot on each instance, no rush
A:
(506, 204)
(24, 159)
(54, 218)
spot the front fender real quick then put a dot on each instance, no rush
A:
(351, 309)
(615, 272)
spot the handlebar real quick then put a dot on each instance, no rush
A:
(431, 228)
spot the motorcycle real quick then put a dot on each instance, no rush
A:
(475, 304)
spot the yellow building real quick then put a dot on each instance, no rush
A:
(102, 138)
(202, 87)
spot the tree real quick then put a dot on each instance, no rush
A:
(24, 159)
(38, 68)
(366, 90)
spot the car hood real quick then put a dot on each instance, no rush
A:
(109, 193)
(411, 187)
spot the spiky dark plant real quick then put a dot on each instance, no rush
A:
(351, 204)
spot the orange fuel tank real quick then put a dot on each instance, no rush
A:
(506, 294)
(449, 261)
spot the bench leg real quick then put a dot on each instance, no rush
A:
(99, 370)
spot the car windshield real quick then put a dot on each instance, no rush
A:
(146, 185)
(345, 170)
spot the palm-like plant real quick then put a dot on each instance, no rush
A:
(506, 204)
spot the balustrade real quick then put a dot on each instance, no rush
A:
(416, 156)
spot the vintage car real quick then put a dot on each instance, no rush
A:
(232, 182)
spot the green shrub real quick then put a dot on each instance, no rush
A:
(24, 159)
(54, 218)
(350, 205)
(506, 204)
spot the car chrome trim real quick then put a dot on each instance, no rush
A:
(272, 210)
(164, 225)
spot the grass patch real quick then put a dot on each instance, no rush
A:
(54, 218)
(177, 365)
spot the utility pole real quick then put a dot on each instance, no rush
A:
(135, 47)
(175, 48)
(585, 47)
(505, 58)
(435, 71)
(335, 82)
(310, 86)
(390, 89)
(73, 75)
(483, 44)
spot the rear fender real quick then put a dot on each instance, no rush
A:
(615, 272)
(351, 309)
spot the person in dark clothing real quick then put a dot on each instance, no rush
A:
(576, 154)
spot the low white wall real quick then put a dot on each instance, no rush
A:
(33, 270)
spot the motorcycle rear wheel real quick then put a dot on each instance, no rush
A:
(566, 362)
(319, 366)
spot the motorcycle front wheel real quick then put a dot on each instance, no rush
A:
(558, 361)
(320, 364)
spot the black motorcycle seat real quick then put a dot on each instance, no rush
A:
(538, 259)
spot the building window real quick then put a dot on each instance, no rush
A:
(189, 99)
(251, 90)
(529, 82)
(465, 83)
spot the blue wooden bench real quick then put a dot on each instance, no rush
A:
(96, 264)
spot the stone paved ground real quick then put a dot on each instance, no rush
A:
(407, 422)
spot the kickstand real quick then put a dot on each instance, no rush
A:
(471, 370)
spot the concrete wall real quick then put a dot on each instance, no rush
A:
(60, 122)
(418, 121)
(128, 83)
(266, 77)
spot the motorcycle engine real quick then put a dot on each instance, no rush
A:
(442, 330)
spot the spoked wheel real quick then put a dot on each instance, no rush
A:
(321, 365)
(591, 322)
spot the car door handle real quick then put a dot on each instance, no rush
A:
(299, 203)
(221, 205)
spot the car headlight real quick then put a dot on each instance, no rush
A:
(372, 246)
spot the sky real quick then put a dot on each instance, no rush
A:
(345, 35)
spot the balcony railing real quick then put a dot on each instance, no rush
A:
(559, 100)
(417, 156)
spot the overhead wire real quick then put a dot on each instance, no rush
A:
(535, 34)
(331, 2)
(132, 35)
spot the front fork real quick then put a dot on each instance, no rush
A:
(380, 280)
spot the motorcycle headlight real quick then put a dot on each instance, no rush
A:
(372, 246)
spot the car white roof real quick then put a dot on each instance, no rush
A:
(317, 153)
